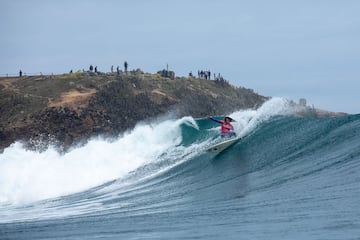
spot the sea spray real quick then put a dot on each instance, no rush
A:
(27, 176)
(247, 120)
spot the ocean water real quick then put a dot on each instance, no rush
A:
(288, 178)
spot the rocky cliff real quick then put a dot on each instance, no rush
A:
(69, 108)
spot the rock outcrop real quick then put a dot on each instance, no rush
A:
(68, 109)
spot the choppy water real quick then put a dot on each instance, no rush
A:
(289, 178)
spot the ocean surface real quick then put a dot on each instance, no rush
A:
(288, 178)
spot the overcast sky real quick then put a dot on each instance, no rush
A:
(284, 48)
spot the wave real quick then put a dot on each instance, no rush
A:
(163, 166)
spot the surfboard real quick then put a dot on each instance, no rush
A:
(218, 148)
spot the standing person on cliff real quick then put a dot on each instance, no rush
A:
(126, 66)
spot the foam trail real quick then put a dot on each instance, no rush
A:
(27, 176)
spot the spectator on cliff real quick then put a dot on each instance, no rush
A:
(126, 66)
(91, 68)
(20, 73)
(112, 68)
(118, 70)
(96, 69)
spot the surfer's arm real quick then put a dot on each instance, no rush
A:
(210, 117)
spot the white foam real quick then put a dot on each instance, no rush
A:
(27, 176)
(247, 120)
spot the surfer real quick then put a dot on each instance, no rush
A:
(227, 129)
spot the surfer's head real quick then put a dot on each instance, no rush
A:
(227, 119)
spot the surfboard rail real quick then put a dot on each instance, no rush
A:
(219, 147)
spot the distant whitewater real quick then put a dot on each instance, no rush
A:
(292, 178)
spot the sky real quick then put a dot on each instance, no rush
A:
(280, 48)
